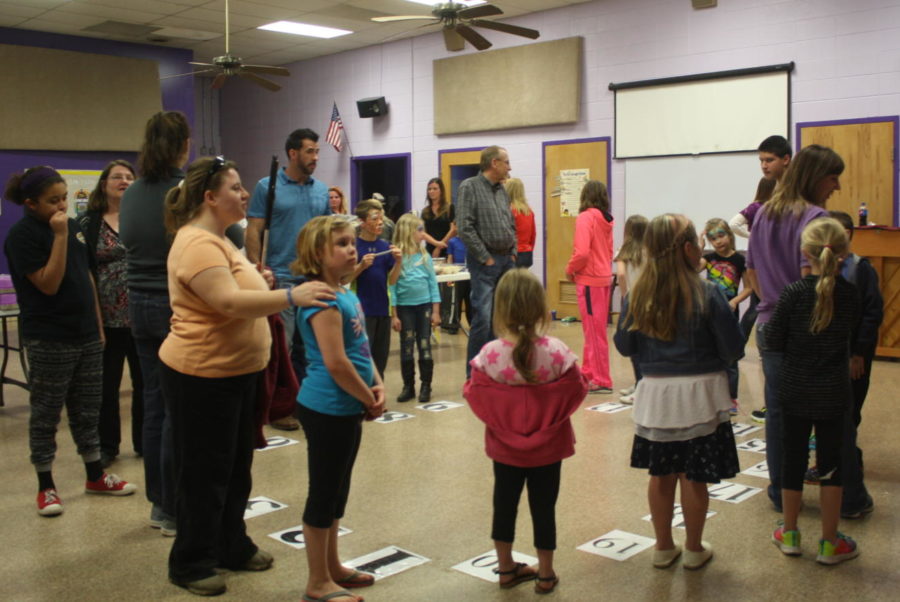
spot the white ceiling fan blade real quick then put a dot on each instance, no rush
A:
(403, 18)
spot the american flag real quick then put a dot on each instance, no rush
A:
(335, 135)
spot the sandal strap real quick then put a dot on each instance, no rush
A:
(514, 571)
(547, 579)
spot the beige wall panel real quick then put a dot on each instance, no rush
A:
(535, 84)
(65, 100)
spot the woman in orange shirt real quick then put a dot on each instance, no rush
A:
(524, 216)
(590, 268)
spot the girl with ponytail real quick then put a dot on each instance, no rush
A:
(524, 387)
(814, 326)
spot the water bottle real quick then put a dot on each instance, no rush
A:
(863, 214)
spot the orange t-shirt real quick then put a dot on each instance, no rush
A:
(203, 342)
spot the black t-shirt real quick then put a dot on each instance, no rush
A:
(726, 272)
(70, 315)
(438, 227)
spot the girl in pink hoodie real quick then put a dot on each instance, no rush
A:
(590, 268)
(524, 386)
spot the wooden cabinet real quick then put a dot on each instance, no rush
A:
(882, 247)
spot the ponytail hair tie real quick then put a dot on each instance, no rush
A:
(828, 247)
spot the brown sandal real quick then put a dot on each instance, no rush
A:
(518, 575)
(553, 581)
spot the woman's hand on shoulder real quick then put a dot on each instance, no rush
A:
(312, 294)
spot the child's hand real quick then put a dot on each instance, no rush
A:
(367, 260)
(857, 367)
(435, 318)
(436, 253)
(396, 253)
(267, 275)
(733, 304)
(395, 324)
(312, 294)
(377, 409)
(59, 223)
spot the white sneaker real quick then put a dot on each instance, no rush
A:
(627, 399)
(629, 390)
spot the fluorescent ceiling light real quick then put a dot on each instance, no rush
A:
(305, 29)
(436, 2)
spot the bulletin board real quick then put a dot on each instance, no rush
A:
(79, 185)
(565, 164)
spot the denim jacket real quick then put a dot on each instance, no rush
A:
(708, 342)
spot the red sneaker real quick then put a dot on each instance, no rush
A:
(109, 484)
(49, 503)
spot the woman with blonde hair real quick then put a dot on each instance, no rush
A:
(524, 216)
(337, 202)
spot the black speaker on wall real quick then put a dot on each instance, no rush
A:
(372, 107)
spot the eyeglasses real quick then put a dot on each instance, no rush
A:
(217, 164)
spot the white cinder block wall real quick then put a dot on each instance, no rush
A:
(847, 55)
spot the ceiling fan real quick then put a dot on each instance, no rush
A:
(227, 65)
(458, 20)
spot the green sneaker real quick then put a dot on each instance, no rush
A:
(787, 541)
(843, 549)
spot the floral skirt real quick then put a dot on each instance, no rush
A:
(706, 459)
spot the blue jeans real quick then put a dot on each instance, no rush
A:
(150, 313)
(415, 331)
(771, 364)
(484, 281)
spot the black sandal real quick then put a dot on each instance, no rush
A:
(519, 576)
(554, 581)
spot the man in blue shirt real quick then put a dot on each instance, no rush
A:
(298, 198)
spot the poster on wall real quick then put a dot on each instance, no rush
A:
(571, 181)
(80, 183)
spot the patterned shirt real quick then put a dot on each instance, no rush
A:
(725, 272)
(551, 359)
(112, 278)
(485, 223)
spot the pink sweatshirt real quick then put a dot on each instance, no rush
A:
(591, 262)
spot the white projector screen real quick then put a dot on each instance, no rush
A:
(711, 113)
(699, 187)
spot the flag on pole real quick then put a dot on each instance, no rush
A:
(335, 135)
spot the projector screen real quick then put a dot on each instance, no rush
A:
(722, 112)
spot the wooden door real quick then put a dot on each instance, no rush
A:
(454, 158)
(869, 152)
(559, 229)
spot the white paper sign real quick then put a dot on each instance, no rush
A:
(293, 536)
(760, 470)
(610, 407)
(733, 493)
(618, 545)
(386, 562)
(277, 441)
(753, 445)
(678, 517)
(439, 406)
(740, 429)
(483, 565)
(258, 506)
(391, 417)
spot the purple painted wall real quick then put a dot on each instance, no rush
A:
(177, 95)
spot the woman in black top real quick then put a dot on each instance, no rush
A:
(439, 217)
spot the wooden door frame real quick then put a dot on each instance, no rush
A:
(883, 119)
(544, 145)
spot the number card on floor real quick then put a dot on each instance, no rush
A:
(276, 442)
(760, 470)
(733, 493)
(610, 407)
(392, 417)
(678, 517)
(293, 536)
(439, 406)
(386, 562)
(617, 545)
(483, 565)
(740, 429)
(258, 506)
(757, 446)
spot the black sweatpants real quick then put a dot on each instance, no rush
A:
(543, 490)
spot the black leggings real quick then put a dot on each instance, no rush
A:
(543, 489)
(332, 443)
(795, 437)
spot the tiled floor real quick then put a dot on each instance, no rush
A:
(424, 484)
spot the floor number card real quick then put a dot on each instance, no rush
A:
(258, 506)
(276, 442)
(760, 470)
(740, 429)
(391, 417)
(386, 562)
(733, 493)
(293, 536)
(483, 565)
(439, 406)
(610, 407)
(753, 445)
(678, 517)
(618, 545)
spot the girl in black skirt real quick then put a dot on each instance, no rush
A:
(683, 335)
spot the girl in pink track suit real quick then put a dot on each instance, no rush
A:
(524, 387)
(590, 268)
